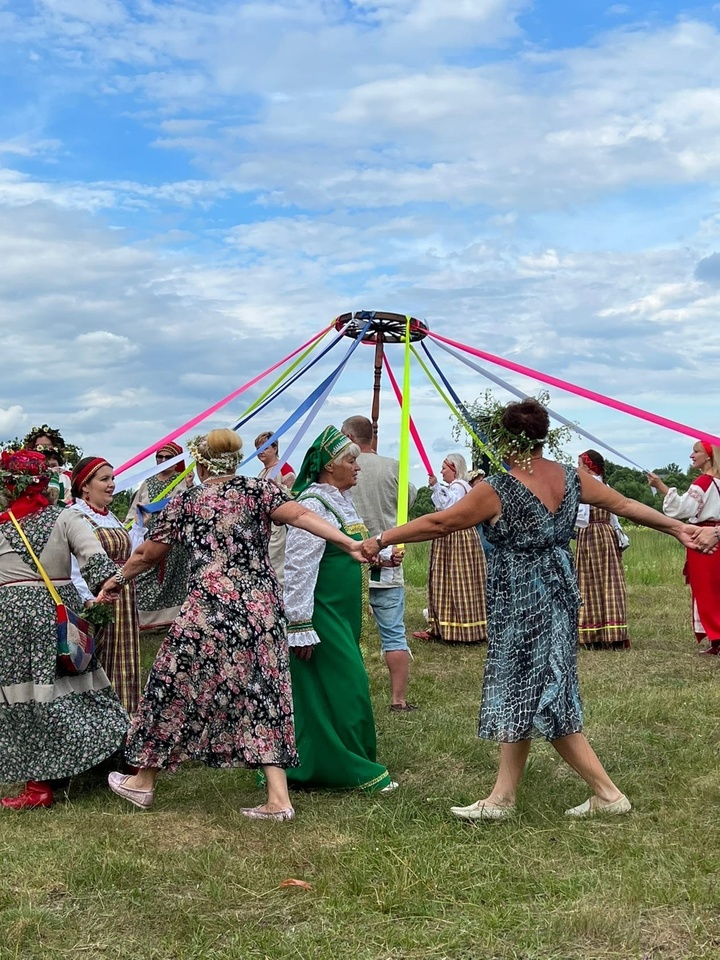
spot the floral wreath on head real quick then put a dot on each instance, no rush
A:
(44, 431)
(215, 466)
(22, 469)
(518, 445)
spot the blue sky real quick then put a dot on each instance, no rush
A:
(188, 190)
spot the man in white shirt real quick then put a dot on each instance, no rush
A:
(376, 497)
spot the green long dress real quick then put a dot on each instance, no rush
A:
(334, 723)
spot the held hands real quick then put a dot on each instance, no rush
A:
(703, 539)
(369, 548)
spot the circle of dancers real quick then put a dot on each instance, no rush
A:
(263, 583)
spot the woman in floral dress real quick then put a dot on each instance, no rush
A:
(52, 725)
(531, 683)
(219, 690)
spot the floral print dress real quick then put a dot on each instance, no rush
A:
(219, 690)
(52, 724)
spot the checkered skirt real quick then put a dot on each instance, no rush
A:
(456, 589)
(601, 579)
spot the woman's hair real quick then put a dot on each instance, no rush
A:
(351, 450)
(261, 438)
(528, 417)
(460, 464)
(597, 459)
(219, 442)
(715, 459)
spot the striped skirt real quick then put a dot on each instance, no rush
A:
(601, 579)
(456, 589)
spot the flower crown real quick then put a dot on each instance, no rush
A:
(21, 469)
(216, 466)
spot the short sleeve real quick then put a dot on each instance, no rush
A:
(272, 495)
(168, 529)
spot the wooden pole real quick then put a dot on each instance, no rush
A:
(379, 345)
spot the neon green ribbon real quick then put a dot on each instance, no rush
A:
(404, 469)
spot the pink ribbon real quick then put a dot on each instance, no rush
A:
(216, 406)
(582, 392)
(413, 429)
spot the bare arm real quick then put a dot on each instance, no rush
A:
(147, 555)
(598, 495)
(482, 503)
(296, 515)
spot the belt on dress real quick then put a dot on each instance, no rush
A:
(62, 581)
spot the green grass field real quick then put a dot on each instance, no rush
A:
(396, 876)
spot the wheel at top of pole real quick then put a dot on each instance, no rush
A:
(384, 327)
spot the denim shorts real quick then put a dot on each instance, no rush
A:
(388, 607)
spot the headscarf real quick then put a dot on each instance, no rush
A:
(707, 447)
(84, 472)
(326, 448)
(172, 450)
(24, 475)
(591, 465)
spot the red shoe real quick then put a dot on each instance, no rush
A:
(712, 651)
(37, 794)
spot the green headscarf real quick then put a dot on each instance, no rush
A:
(324, 450)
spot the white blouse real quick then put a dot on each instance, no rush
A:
(303, 553)
(105, 520)
(695, 505)
(444, 497)
(583, 520)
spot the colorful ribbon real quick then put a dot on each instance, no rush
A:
(583, 392)
(185, 427)
(523, 396)
(413, 429)
(404, 468)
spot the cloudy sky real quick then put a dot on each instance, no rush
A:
(191, 188)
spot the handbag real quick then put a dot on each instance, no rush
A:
(75, 638)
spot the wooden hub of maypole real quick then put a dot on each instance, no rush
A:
(383, 328)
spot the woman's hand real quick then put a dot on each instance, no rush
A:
(89, 603)
(369, 548)
(303, 653)
(357, 553)
(657, 483)
(109, 592)
(705, 539)
(686, 537)
(432, 479)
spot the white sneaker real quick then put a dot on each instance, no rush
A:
(393, 785)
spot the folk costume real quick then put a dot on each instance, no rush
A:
(118, 645)
(162, 590)
(457, 577)
(334, 723)
(601, 577)
(700, 505)
(52, 725)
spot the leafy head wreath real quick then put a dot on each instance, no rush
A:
(519, 446)
(216, 466)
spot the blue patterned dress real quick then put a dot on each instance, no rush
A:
(531, 682)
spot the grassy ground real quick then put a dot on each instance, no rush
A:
(396, 877)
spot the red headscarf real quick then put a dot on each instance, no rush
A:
(86, 473)
(590, 464)
(172, 450)
(24, 475)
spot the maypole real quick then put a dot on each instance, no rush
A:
(383, 328)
